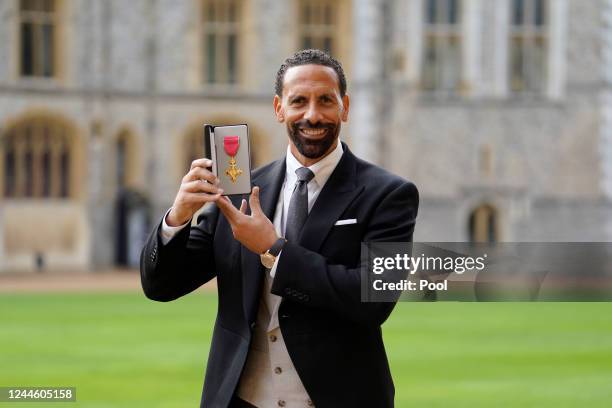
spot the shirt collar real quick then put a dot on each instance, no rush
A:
(322, 169)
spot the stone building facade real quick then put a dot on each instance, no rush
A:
(499, 110)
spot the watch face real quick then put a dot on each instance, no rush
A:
(267, 260)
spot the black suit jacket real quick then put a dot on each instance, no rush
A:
(333, 339)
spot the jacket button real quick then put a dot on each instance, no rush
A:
(253, 326)
(310, 403)
(278, 370)
(281, 403)
(272, 338)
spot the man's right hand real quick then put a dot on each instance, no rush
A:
(198, 187)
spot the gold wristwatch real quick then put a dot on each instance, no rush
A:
(269, 257)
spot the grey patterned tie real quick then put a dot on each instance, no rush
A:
(298, 206)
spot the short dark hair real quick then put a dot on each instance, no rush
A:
(307, 57)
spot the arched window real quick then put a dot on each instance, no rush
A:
(10, 166)
(37, 38)
(37, 160)
(483, 224)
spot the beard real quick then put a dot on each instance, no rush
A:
(313, 148)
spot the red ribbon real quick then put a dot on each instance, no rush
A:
(231, 145)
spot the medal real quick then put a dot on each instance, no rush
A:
(231, 145)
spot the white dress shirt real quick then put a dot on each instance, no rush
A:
(269, 377)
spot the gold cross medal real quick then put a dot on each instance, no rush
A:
(231, 145)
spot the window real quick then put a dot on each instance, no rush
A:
(528, 45)
(37, 163)
(37, 31)
(483, 224)
(221, 36)
(441, 67)
(318, 25)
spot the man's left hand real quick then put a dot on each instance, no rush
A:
(255, 231)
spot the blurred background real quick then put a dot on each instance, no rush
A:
(499, 110)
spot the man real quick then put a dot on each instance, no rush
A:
(292, 333)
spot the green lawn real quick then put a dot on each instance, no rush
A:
(122, 350)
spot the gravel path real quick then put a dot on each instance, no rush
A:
(116, 280)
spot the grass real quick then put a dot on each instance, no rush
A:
(122, 350)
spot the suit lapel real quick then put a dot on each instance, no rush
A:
(270, 183)
(339, 191)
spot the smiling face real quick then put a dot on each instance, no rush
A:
(312, 109)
